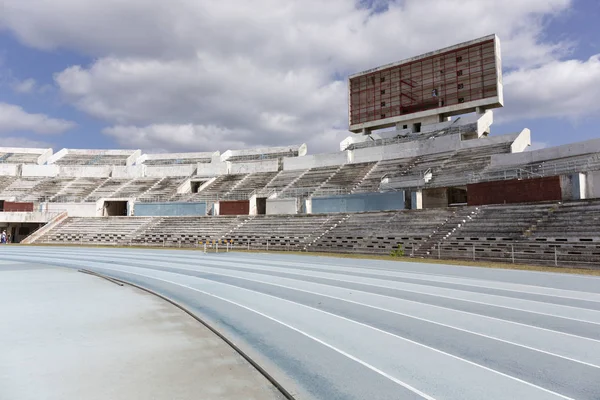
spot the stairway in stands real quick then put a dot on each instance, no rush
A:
(460, 217)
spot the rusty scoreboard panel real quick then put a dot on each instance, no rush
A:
(451, 81)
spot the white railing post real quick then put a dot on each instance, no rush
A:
(439, 250)
(555, 256)
(473, 251)
(512, 250)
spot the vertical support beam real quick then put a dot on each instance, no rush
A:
(417, 200)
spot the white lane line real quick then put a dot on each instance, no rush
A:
(402, 299)
(351, 321)
(425, 292)
(419, 273)
(407, 315)
(342, 352)
(411, 275)
(262, 272)
(472, 282)
(316, 275)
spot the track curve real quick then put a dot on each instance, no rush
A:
(358, 329)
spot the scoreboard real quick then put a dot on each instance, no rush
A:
(451, 81)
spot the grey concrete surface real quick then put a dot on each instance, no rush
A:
(363, 329)
(70, 336)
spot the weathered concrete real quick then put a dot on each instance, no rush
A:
(73, 209)
(254, 166)
(282, 206)
(315, 161)
(69, 336)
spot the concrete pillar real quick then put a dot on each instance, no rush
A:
(417, 200)
(579, 186)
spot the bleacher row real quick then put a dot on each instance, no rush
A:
(447, 168)
(533, 232)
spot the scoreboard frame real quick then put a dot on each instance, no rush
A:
(451, 81)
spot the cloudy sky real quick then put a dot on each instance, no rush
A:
(189, 75)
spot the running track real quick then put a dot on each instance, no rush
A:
(333, 329)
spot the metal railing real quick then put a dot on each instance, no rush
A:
(547, 168)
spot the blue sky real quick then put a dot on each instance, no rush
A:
(211, 77)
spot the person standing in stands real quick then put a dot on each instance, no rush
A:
(3, 238)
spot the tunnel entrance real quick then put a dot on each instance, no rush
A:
(115, 208)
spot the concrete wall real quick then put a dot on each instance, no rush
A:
(42, 154)
(131, 172)
(40, 170)
(85, 171)
(212, 169)
(573, 186)
(593, 185)
(177, 156)
(73, 209)
(132, 158)
(282, 206)
(255, 166)
(25, 217)
(59, 154)
(9, 169)
(169, 209)
(317, 160)
(358, 202)
(301, 148)
(522, 142)
(431, 146)
(160, 171)
(550, 153)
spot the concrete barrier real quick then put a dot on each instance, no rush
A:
(358, 202)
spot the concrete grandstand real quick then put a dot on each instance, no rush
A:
(437, 184)
(451, 191)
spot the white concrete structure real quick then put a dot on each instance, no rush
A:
(40, 170)
(264, 152)
(72, 209)
(593, 184)
(81, 171)
(282, 206)
(177, 158)
(10, 169)
(315, 161)
(132, 171)
(549, 153)
(254, 166)
(27, 217)
(18, 155)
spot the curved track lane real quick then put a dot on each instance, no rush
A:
(358, 329)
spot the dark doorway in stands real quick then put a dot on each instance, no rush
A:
(457, 196)
(261, 205)
(115, 209)
(1, 205)
(195, 186)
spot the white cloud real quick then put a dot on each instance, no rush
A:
(25, 86)
(24, 142)
(564, 89)
(198, 73)
(14, 119)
